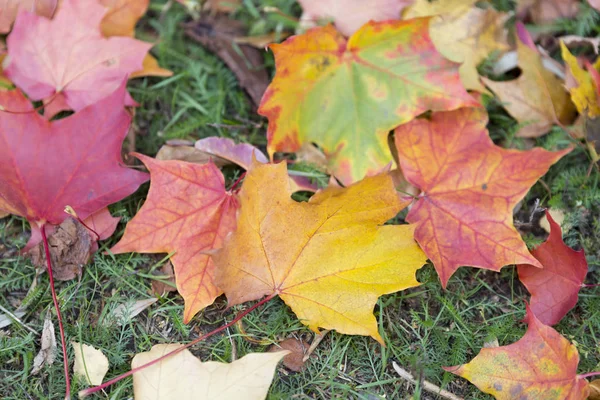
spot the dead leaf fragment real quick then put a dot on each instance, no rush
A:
(125, 312)
(594, 388)
(90, 363)
(297, 348)
(217, 33)
(70, 249)
(178, 376)
(537, 98)
(160, 287)
(47, 352)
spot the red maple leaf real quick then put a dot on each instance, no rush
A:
(554, 289)
(69, 58)
(75, 161)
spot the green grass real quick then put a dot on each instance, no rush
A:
(424, 328)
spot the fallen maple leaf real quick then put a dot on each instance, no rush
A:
(554, 288)
(294, 361)
(537, 98)
(349, 15)
(541, 365)
(464, 33)
(90, 363)
(581, 85)
(10, 8)
(470, 188)
(395, 74)
(77, 66)
(182, 375)
(546, 11)
(76, 161)
(329, 259)
(189, 212)
(241, 154)
(120, 20)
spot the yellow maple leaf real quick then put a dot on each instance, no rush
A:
(464, 33)
(329, 258)
(580, 85)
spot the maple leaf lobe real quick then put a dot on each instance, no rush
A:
(554, 288)
(470, 187)
(188, 212)
(74, 161)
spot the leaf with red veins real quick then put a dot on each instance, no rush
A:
(75, 161)
(69, 57)
(189, 212)
(554, 289)
(470, 187)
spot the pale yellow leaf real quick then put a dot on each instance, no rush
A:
(90, 363)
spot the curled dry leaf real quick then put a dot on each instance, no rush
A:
(160, 287)
(38, 183)
(180, 375)
(297, 348)
(464, 33)
(188, 212)
(329, 258)
(349, 15)
(47, 352)
(78, 66)
(396, 72)
(555, 287)
(90, 363)
(541, 365)
(70, 249)
(241, 154)
(470, 187)
(537, 98)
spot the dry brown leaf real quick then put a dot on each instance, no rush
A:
(297, 349)
(90, 363)
(217, 33)
(47, 352)
(537, 98)
(545, 11)
(595, 384)
(180, 375)
(262, 41)
(160, 287)
(70, 249)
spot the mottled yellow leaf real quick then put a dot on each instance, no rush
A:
(329, 258)
(580, 84)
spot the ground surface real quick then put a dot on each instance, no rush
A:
(424, 328)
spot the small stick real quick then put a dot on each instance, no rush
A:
(318, 338)
(63, 342)
(430, 387)
(17, 319)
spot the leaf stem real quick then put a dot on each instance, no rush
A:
(241, 315)
(594, 285)
(63, 343)
(589, 374)
(237, 182)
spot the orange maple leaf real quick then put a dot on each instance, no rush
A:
(542, 365)
(470, 188)
(329, 258)
(189, 212)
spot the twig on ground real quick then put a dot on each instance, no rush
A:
(17, 319)
(430, 387)
(318, 338)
